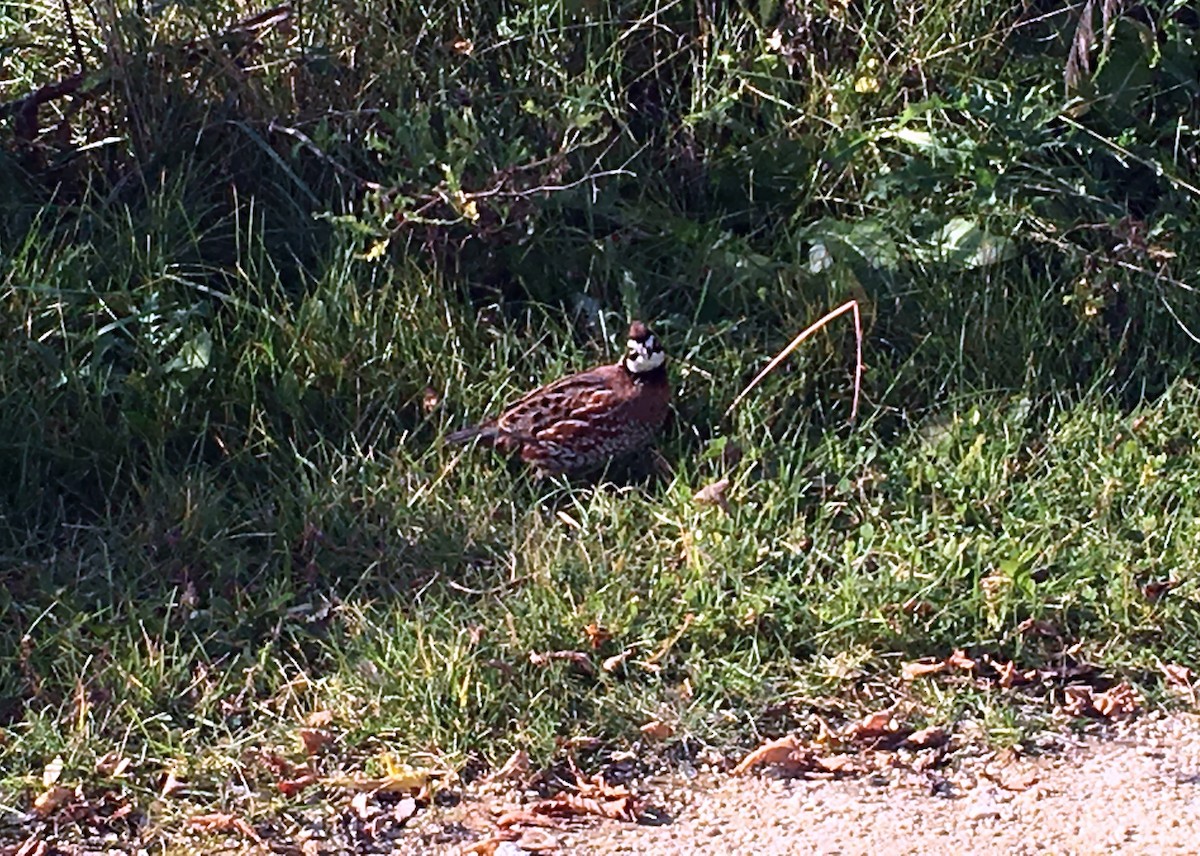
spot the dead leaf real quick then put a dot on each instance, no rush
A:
(171, 785)
(32, 846)
(1011, 676)
(404, 809)
(1038, 627)
(1178, 675)
(319, 718)
(960, 660)
(361, 805)
(614, 808)
(1120, 700)
(585, 742)
(714, 494)
(291, 787)
(430, 399)
(657, 730)
(52, 771)
(464, 46)
(836, 764)
(514, 769)
(313, 740)
(772, 752)
(1007, 771)
(52, 799)
(1077, 699)
(113, 764)
(921, 668)
(927, 738)
(577, 658)
(917, 607)
(225, 823)
(1156, 590)
(596, 635)
(401, 780)
(880, 725)
(614, 662)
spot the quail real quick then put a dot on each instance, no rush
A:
(583, 421)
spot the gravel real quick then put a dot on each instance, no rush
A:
(1130, 789)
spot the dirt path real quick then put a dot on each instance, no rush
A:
(1129, 790)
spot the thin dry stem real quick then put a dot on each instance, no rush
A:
(849, 306)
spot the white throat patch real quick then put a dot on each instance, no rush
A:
(639, 359)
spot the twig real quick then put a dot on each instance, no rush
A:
(546, 188)
(308, 144)
(848, 306)
(74, 34)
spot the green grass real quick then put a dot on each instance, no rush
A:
(223, 499)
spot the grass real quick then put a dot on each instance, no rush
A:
(229, 355)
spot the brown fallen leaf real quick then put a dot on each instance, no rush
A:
(614, 662)
(916, 606)
(927, 738)
(52, 799)
(1011, 676)
(218, 822)
(880, 725)
(657, 730)
(52, 771)
(1077, 699)
(113, 764)
(1177, 675)
(319, 718)
(583, 742)
(404, 809)
(313, 740)
(1038, 627)
(1007, 771)
(1120, 700)
(577, 658)
(614, 808)
(773, 752)
(515, 768)
(32, 846)
(1156, 590)
(921, 668)
(171, 785)
(714, 494)
(835, 764)
(596, 635)
(291, 787)
(960, 660)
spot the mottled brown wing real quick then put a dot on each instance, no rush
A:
(562, 408)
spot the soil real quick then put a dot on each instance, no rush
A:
(1124, 789)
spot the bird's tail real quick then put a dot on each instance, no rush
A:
(487, 432)
(464, 434)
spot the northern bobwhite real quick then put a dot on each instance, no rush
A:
(584, 421)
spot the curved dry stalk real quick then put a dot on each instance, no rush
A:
(849, 306)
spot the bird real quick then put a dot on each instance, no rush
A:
(583, 421)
